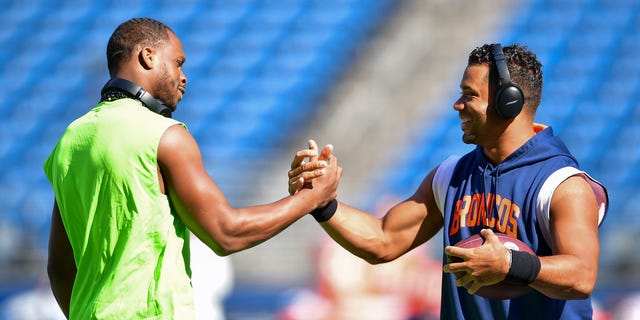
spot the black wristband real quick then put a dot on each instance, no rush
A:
(524, 267)
(325, 213)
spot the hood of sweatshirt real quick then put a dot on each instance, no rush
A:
(542, 146)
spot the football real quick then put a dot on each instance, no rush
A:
(505, 289)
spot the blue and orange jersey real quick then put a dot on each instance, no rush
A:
(511, 197)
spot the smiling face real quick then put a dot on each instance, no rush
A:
(473, 105)
(171, 81)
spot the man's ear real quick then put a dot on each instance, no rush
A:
(146, 57)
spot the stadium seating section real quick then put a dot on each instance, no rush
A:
(255, 69)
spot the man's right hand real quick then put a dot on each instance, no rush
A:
(302, 173)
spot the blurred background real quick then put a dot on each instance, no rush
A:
(376, 78)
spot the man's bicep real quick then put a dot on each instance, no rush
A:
(417, 218)
(183, 170)
(574, 215)
(198, 201)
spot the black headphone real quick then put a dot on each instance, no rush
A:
(509, 98)
(137, 92)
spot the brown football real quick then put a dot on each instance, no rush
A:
(505, 289)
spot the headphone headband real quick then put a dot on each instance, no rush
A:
(139, 93)
(501, 65)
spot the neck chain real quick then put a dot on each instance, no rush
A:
(113, 95)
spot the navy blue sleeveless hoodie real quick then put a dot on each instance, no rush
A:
(503, 198)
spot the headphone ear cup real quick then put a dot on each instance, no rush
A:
(155, 105)
(509, 100)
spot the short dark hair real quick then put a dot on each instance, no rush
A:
(129, 35)
(524, 69)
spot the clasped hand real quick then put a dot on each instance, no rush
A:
(321, 171)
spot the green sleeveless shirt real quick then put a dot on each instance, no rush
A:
(130, 249)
